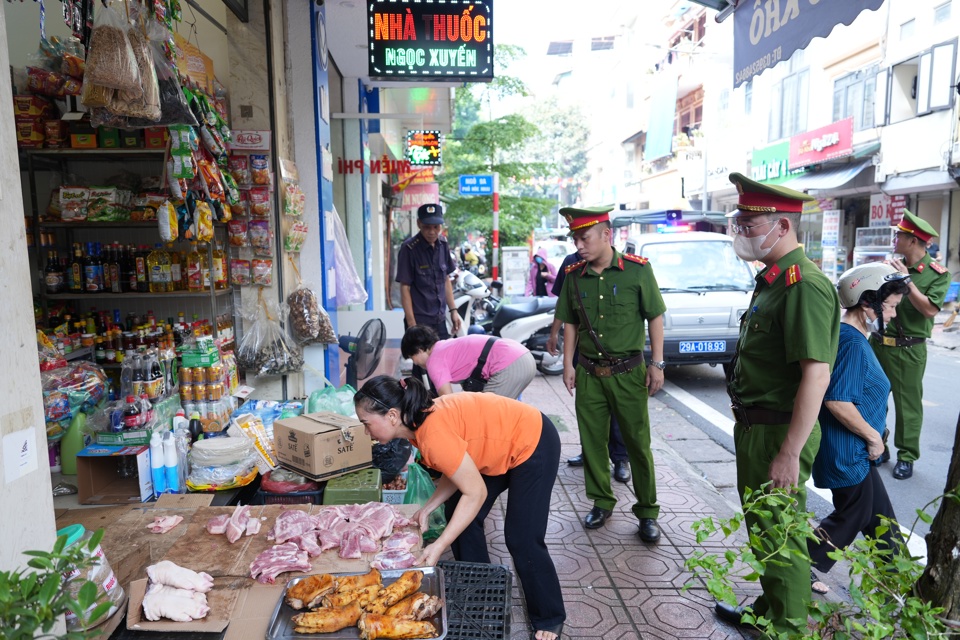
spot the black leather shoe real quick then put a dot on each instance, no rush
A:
(903, 470)
(575, 461)
(597, 518)
(621, 471)
(730, 613)
(649, 530)
(885, 456)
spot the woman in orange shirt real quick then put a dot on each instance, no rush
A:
(482, 444)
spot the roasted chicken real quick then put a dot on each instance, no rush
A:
(327, 620)
(308, 593)
(374, 626)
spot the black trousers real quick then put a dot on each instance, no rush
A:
(857, 509)
(615, 445)
(530, 488)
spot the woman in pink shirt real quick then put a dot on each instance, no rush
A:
(508, 370)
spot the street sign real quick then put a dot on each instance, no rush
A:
(478, 185)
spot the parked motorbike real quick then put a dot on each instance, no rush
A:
(471, 300)
(528, 320)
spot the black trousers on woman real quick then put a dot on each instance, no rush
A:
(525, 527)
(857, 509)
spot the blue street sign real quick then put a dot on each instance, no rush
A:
(480, 185)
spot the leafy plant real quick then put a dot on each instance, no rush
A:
(33, 601)
(883, 601)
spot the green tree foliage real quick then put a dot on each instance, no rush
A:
(530, 158)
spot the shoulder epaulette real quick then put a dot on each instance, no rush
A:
(575, 265)
(637, 259)
(936, 266)
(793, 275)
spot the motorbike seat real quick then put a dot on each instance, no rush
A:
(522, 308)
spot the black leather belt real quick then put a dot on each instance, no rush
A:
(607, 368)
(749, 416)
(890, 341)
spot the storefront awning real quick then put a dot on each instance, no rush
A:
(831, 178)
(921, 181)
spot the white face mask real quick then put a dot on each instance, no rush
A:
(750, 249)
(873, 326)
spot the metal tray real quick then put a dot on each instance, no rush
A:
(281, 625)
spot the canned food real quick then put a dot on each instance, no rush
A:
(199, 376)
(186, 376)
(214, 391)
(215, 373)
(187, 393)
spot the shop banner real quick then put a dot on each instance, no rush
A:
(832, 221)
(771, 165)
(417, 195)
(886, 211)
(193, 63)
(826, 143)
(765, 33)
(415, 40)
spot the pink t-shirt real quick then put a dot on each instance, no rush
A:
(453, 360)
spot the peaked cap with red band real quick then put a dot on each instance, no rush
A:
(917, 227)
(757, 198)
(583, 217)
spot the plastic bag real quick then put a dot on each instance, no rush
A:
(221, 463)
(50, 356)
(419, 489)
(309, 323)
(265, 350)
(110, 58)
(284, 481)
(350, 289)
(332, 399)
(391, 458)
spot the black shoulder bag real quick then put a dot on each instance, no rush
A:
(476, 381)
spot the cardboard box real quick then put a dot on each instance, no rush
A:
(108, 138)
(99, 483)
(130, 138)
(83, 141)
(30, 133)
(29, 106)
(155, 137)
(221, 601)
(322, 445)
(125, 438)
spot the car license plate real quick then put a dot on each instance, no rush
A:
(703, 346)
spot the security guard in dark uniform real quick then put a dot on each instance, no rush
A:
(902, 350)
(423, 266)
(787, 347)
(605, 300)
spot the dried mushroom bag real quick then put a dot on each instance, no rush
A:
(266, 351)
(110, 58)
(308, 321)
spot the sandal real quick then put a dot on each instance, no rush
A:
(818, 586)
(558, 629)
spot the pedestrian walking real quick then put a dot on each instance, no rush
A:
(853, 418)
(482, 444)
(787, 345)
(500, 365)
(902, 348)
(615, 445)
(606, 299)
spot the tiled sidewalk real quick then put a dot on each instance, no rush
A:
(615, 586)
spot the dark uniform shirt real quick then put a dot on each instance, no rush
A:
(933, 281)
(617, 301)
(562, 272)
(794, 315)
(425, 269)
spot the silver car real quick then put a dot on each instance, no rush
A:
(706, 288)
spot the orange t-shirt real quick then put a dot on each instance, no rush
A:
(499, 433)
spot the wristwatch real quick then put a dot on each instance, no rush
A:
(659, 364)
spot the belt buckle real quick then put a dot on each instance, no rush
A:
(889, 342)
(602, 372)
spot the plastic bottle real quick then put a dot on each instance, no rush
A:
(176, 268)
(180, 421)
(154, 376)
(157, 467)
(133, 417)
(171, 462)
(194, 270)
(71, 444)
(138, 379)
(219, 268)
(146, 407)
(196, 427)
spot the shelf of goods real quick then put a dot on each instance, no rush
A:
(108, 166)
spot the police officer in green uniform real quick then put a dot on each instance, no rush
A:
(605, 300)
(787, 347)
(902, 350)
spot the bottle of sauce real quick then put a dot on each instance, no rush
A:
(176, 271)
(76, 270)
(194, 270)
(219, 268)
(53, 276)
(140, 260)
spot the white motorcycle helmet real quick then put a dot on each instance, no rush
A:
(866, 277)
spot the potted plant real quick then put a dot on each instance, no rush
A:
(33, 600)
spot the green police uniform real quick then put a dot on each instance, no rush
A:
(903, 351)
(794, 315)
(617, 301)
